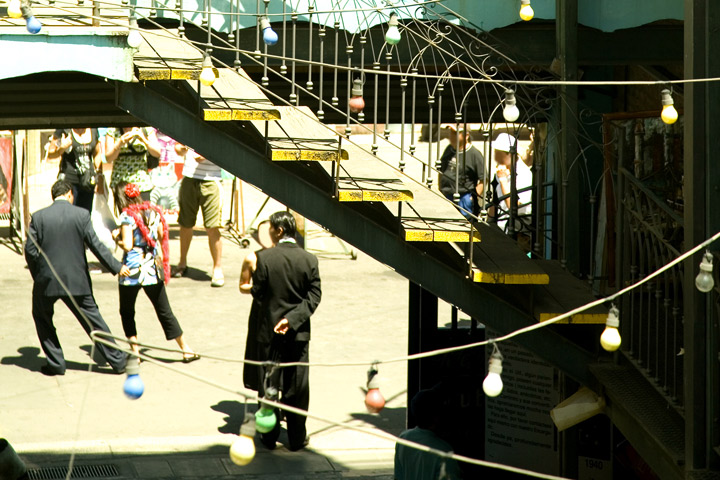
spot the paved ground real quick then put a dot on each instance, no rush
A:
(182, 427)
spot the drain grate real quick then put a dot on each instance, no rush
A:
(79, 471)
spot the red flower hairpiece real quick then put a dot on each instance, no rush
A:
(132, 190)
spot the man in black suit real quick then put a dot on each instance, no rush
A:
(55, 254)
(286, 292)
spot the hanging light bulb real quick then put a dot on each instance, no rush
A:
(704, 280)
(270, 37)
(265, 419)
(526, 11)
(32, 24)
(610, 338)
(134, 38)
(511, 111)
(669, 115)
(356, 102)
(133, 386)
(374, 401)
(13, 9)
(392, 36)
(242, 450)
(207, 75)
(493, 384)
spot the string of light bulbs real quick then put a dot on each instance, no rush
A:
(610, 339)
(242, 450)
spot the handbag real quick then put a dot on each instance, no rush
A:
(88, 179)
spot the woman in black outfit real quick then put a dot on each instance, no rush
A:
(82, 154)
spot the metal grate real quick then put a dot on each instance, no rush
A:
(79, 471)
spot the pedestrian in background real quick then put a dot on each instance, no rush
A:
(82, 155)
(200, 189)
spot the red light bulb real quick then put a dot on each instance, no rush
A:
(374, 401)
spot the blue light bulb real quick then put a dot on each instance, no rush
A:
(33, 25)
(269, 36)
(133, 386)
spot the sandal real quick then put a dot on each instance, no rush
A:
(190, 357)
(180, 272)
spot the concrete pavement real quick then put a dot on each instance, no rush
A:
(182, 427)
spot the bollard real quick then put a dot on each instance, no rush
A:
(11, 467)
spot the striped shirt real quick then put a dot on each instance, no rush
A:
(200, 170)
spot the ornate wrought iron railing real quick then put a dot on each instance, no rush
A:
(649, 232)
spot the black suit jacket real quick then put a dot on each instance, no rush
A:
(286, 283)
(62, 230)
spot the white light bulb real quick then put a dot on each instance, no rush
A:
(392, 36)
(134, 38)
(668, 115)
(493, 384)
(13, 9)
(526, 11)
(704, 280)
(610, 339)
(511, 111)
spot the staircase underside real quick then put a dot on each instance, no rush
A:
(46, 100)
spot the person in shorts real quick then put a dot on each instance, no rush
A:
(200, 189)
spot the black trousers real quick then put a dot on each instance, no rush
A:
(43, 309)
(159, 299)
(293, 383)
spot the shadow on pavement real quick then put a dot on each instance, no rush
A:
(30, 359)
(390, 420)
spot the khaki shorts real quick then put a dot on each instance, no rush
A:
(200, 194)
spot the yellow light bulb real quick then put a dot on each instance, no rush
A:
(13, 9)
(526, 11)
(669, 115)
(242, 450)
(610, 339)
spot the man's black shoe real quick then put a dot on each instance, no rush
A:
(295, 448)
(269, 443)
(49, 371)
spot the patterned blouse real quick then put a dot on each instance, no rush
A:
(131, 164)
(139, 260)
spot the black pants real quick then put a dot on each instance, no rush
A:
(294, 385)
(43, 309)
(159, 299)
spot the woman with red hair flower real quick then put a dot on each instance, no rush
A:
(143, 235)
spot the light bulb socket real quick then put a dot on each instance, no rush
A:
(524, 2)
(247, 429)
(510, 97)
(495, 364)
(373, 380)
(26, 10)
(132, 367)
(706, 264)
(613, 319)
(207, 61)
(264, 23)
(393, 20)
(666, 97)
(357, 88)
